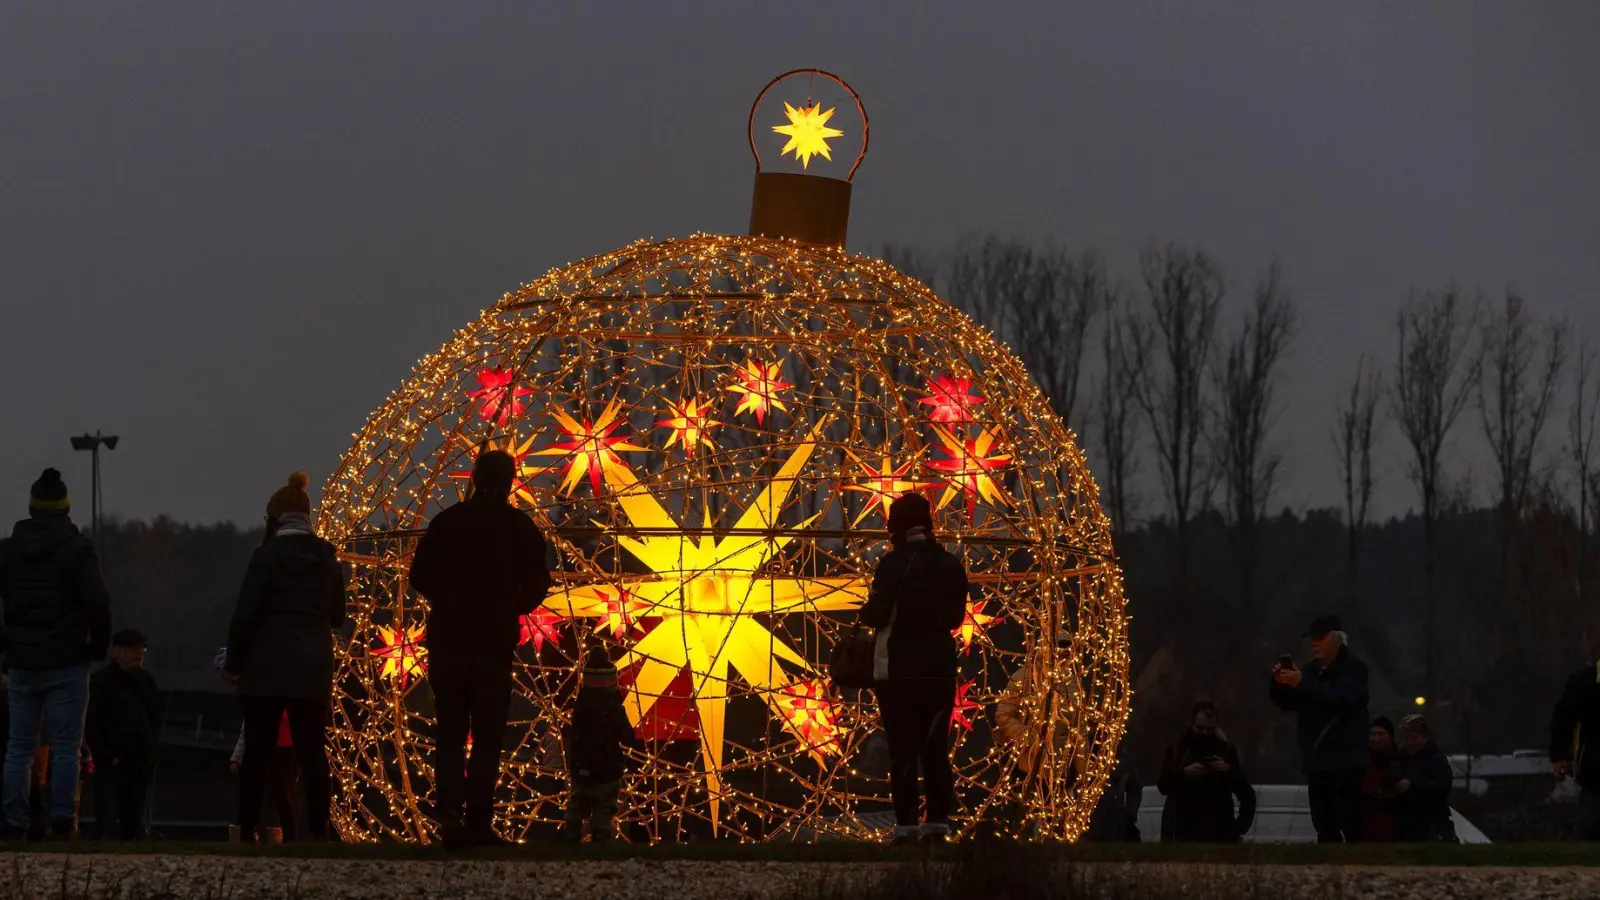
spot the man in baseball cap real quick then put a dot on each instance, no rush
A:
(1330, 698)
(123, 732)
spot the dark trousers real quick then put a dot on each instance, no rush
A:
(471, 695)
(595, 804)
(308, 728)
(916, 720)
(121, 793)
(282, 775)
(1336, 805)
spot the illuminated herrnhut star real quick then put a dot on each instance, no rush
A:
(883, 485)
(968, 468)
(591, 449)
(707, 593)
(402, 653)
(808, 133)
(759, 383)
(691, 423)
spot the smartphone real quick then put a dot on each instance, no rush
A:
(1286, 661)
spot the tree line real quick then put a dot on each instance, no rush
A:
(1184, 374)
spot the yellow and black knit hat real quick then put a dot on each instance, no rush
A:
(291, 497)
(49, 494)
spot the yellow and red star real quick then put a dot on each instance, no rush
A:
(591, 448)
(959, 714)
(760, 383)
(402, 653)
(973, 624)
(968, 468)
(691, 424)
(883, 485)
(809, 713)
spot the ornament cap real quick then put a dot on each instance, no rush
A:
(813, 209)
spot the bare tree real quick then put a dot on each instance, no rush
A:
(1246, 381)
(1520, 371)
(1353, 435)
(987, 278)
(1435, 374)
(1582, 416)
(1184, 288)
(1116, 429)
(1050, 321)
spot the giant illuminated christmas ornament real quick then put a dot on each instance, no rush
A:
(709, 431)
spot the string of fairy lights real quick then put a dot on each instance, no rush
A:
(708, 431)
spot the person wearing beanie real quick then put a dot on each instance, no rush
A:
(123, 732)
(280, 654)
(57, 622)
(1377, 804)
(918, 598)
(600, 730)
(481, 567)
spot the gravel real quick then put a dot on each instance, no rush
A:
(146, 877)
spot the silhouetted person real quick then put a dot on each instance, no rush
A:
(57, 621)
(1420, 783)
(282, 776)
(918, 597)
(123, 733)
(1575, 733)
(600, 730)
(280, 652)
(481, 567)
(1201, 777)
(1377, 803)
(1330, 696)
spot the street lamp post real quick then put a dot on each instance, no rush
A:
(92, 443)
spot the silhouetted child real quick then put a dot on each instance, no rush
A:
(600, 729)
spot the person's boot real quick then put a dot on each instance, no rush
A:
(484, 836)
(454, 835)
(63, 830)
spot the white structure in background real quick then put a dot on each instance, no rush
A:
(1524, 772)
(1283, 816)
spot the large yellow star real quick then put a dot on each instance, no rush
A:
(708, 592)
(808, 133)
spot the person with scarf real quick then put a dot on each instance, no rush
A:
(1201, 778)
(280, 654)
(917, 600)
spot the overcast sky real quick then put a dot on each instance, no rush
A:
(228, 229)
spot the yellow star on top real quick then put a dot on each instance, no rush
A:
(808, 133)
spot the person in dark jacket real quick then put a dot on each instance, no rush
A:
(123, 733)
(1420, 782)
(57, 621)
(1330, 697)
(1575, 731)
(280, 653)
(481, 567)
(917, 599)
(1201, 777)
(600, 731)
(1377, 803)
(1116, 816)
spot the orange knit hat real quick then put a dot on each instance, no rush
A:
(291, 497)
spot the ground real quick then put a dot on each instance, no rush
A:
(842, 872)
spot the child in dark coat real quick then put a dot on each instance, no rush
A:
(600, 731)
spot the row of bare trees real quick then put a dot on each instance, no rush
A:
(1192, 385)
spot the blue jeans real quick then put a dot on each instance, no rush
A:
(58, 697)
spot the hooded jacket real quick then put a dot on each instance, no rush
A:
(57, 611)
(917, 599)
(1332, 707)
(280, 642)
(481, 566)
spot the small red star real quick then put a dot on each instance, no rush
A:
(958, 713)
(498, 396)
(950, 400)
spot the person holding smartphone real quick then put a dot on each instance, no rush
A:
(1329, 698)
(1201, 778)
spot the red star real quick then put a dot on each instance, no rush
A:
(539, 626)
(498, 396)
(760, 383)
(958, 713)
(950, 400)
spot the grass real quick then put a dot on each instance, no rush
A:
(1515, 855)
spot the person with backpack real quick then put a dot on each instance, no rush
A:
(57, 622)
(918, 598)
